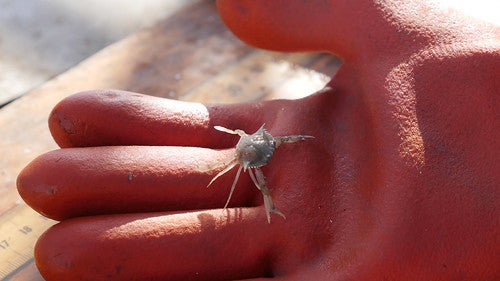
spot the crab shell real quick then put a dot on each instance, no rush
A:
(255, 150)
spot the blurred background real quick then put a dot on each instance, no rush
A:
(40, 39)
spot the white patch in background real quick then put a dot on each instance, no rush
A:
(41, 39)
(487, 10)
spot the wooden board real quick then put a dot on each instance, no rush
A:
(190, 56)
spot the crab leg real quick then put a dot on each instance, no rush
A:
(229, 167)
(289, 139)
(241, 133)
(260, 183)
(211, 167)
(252, 176)
(233, 186)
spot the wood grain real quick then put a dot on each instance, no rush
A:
(190, 56)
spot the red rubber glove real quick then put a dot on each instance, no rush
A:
(400, 183)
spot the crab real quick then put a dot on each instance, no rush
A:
(252, 152)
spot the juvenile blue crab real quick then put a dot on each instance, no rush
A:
(252, 152)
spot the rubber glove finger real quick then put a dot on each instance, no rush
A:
(297, 26)
(113, 117)
(103, 180)
(154, 246)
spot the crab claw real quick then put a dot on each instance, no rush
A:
(270, 208)
(260, 183)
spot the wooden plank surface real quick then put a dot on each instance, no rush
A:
(190, 56)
